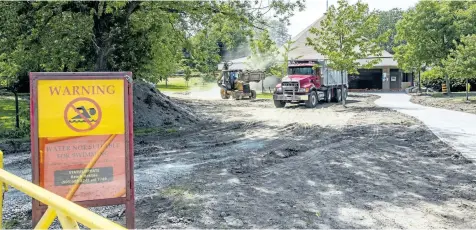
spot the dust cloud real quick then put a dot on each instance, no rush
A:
(209, 94)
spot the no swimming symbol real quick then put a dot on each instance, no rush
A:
(82, 114)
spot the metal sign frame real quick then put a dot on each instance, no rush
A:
(37, 208)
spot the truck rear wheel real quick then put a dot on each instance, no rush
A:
(329, 95)
(279, 104)
(338, 95)
(313, 100)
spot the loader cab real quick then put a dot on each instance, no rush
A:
(229, 77)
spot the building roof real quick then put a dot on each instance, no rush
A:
(304, 52)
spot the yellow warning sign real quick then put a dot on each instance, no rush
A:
(80, 107)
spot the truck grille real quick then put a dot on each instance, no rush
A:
(290, 86)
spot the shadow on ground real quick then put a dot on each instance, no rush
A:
(312, 177)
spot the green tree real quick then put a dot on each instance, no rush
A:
(461, 63)
(147, 38)
(432, 29)
(263, 53)
(281, 68)
(187, 74)
(387, 24)
(343, 38)
(278, 31)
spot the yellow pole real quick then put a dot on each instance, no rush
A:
(62, 205)
(120, 193)
(67, 222)
(88, 167)
(1, 192)
(50, 214)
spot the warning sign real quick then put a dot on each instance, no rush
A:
(95, 175)
(82, 139)
(87, 107)
(65, 161)
(82, 114)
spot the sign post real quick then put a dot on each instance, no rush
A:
(82, 140)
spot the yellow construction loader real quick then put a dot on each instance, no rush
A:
(236, 83)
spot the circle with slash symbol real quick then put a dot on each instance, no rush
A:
(82, 114)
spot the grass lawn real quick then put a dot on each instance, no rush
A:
(456, 97)
(264, 95)
(453, 94)
(7, 111)
(178, 84)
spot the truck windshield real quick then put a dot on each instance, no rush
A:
(303, 70)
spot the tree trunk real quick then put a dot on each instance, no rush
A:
(413, 78)
(419, 81)
(166, 82)
(448, 87)
(342, 87)
(262, 86)
(102, 24)
(467, 90)
(101, 62)
(17, 116)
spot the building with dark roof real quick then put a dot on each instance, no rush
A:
(384, 75)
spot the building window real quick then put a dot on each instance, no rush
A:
(405, 77)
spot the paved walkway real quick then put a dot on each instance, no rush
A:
(457, 129)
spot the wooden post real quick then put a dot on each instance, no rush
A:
(17, 116)
(467, 90)
(419, 81)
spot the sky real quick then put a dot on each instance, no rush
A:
(316, 8)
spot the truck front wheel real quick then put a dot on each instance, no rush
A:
(312, 100)
(279, 104)
(224, 94)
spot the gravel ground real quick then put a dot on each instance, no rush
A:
(247, 164)
(451, 103)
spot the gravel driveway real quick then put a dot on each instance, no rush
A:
(250, 165)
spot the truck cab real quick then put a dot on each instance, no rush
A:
(299, 86)
(309, 83)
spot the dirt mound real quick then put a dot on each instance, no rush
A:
(154, 109)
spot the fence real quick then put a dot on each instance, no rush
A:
(69, 213)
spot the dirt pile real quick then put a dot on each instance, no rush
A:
(154, 109)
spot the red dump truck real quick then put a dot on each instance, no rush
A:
(310, 83)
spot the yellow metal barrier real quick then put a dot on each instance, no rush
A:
(3, 189)
(68, 212)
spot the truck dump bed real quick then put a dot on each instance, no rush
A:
(332, 77)
(252, 76)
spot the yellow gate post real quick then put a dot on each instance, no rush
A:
(3, 189)
(50, 214)
(69, 213)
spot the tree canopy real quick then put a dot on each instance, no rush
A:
(387, 24)
(263, 52)
(429, 32)
(461, 63)
(343, 37)
(147, 38)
